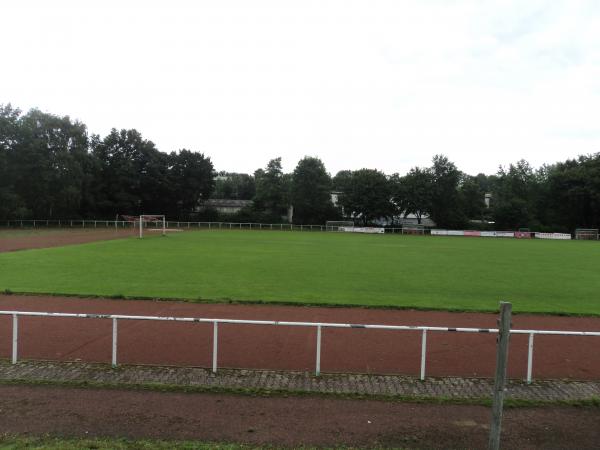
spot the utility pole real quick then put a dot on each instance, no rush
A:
(500, 378)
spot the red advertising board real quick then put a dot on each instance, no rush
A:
(523, 234)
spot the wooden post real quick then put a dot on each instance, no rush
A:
(500, 378)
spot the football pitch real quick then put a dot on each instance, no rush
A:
(321, 268)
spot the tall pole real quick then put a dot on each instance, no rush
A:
(500, 378)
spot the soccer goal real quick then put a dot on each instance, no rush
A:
(589, 234)
(147, 222)
(413, 229)
(338, 225)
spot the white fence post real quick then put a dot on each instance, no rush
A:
(423, 353)
(15, 338)
(215, 346)
(318, 363)
(114, 342)
(530, 358)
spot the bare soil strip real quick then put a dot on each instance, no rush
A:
(286, 421)
(41, 238)
(293, 348)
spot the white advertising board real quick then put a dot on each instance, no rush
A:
(559, 236)
(370, 230)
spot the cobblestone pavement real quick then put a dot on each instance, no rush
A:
(294, 382)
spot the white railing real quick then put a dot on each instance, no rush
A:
(83, 223)
(318, 325)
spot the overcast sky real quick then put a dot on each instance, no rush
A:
(377, 84)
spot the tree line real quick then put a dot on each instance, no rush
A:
(51, 168)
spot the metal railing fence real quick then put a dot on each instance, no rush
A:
(318, 325)
(87, 223)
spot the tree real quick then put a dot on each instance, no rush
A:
(513, 196)
(342, 180)
(49, 159)
(367, 195)
(237, 186)
(311, 192)
(472, 198)
(412, 193)
(132, 175)
(11, 204)
(570, 192)
(271, 190)
(445, 208)
(192, 180)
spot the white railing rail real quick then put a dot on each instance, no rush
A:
(318, 325)
(87, 223)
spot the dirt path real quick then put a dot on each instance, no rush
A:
(293, 348)
(286, 421)
(42, 238)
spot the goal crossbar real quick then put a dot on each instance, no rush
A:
(586, 233)
(139, 221)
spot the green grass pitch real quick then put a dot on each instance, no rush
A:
(321, 268)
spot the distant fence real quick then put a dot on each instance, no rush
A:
(407, 229)
(502, 234)
(81, 223)
(318, 325)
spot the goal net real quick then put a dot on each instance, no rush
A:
(590, 234)
(147, 222)
(413, 229)
(338, 225)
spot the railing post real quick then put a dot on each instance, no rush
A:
(215, 346)
(500, 378)
(530, 358)
(423, 353)
(114, 342)
(318, 362)
(15, 338)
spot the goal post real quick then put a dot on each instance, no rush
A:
(142, 221)
(417, 229)
(157, 219)
(588, 234)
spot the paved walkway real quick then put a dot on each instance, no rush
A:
(295, 382)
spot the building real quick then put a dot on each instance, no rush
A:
(226, 206)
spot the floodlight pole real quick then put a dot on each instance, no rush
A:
(141, 226)
(164, 233)
(500, 378)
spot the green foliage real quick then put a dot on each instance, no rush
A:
(50, 168)
(572, 193)
(513, 196)
(236, 186)
(272, 190)
(413, 192)
(321, 268)
(445, 208)
(366, 195)
(311, 192)
(471, 198)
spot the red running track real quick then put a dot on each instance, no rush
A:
(293, 348)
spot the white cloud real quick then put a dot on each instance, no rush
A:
(383, 84)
